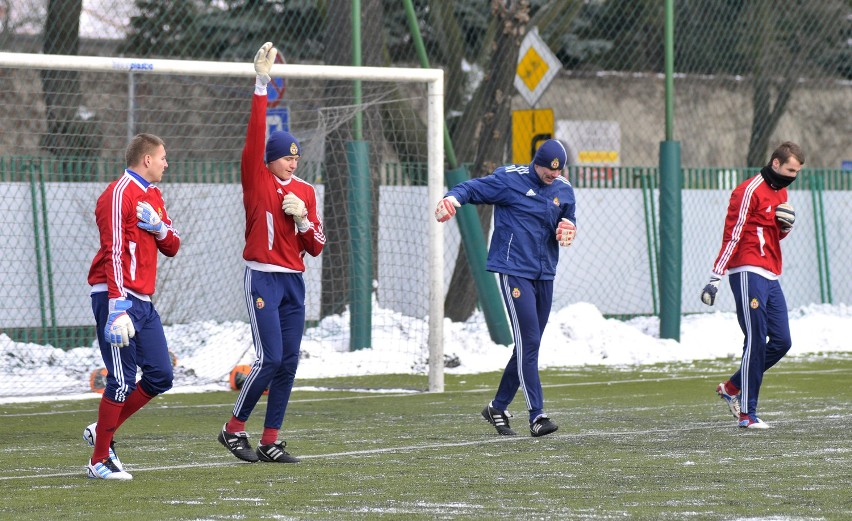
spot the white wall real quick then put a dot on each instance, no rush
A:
(607, 265)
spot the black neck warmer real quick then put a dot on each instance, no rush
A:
(774, 179)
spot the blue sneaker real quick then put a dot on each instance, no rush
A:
(732, 400)
(751, 421)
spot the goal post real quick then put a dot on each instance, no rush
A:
(31, 183)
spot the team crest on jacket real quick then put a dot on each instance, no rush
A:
(516, 292)
(259, 303)
(754, 303)
(556, 201)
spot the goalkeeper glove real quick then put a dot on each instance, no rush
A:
(295, 207)
(708, 294)
(786, 216)
(119, 328)
(263, 61)
(565, 232)
(149, 220)
(446, 208)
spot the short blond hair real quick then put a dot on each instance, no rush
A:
(140, 146)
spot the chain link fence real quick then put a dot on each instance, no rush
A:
(590, 73)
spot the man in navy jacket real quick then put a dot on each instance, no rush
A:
(533, 216)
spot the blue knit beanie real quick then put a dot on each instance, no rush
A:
(281, 144)
(551, 154)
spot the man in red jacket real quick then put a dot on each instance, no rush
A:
(134, 227)
(282, 226)
(759, 216)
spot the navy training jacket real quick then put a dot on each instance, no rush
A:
(526, 212)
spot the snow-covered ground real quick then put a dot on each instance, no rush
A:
(576, 335)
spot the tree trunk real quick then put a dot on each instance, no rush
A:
(71, 129)
(773, 70)
(486, 133)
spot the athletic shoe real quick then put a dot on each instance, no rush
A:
(733, 400)
(750, 421)
(499, 419)
(275, 453)
(90, 435)
(238, 444)
(542, 426)
(106, 469)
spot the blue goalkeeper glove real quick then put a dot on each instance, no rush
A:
(149, 220)
(119, 327)
(708, 294)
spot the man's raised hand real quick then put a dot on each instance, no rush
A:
(446, 208)
(263, 61)
(565, 232)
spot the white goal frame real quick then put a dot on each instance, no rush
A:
(434, 79)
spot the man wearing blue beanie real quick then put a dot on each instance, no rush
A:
(281, 144)
(282, 225)
(533, 216)
(551, 154)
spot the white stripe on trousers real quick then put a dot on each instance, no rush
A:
(516, 330)
(258, 344)
(746, 361)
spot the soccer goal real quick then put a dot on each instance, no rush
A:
(373, 146)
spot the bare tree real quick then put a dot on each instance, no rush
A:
(484, 133)
(71, 129)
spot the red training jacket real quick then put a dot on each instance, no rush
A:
(273, 243)
(752, 236)
(127, 258)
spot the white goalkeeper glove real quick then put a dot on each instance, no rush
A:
(263, 61)
(119, 327)
(565, 232)
(708, 294)
(446, 208)
(295, 207)
(786, 216)
(149, 220)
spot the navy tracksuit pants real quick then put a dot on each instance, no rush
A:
(147, 350)
(276, 308)
(528, 303)
(762, 314)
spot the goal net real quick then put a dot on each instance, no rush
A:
(372, 146)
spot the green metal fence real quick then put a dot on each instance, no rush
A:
(597, 189)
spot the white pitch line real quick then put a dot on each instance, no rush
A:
(408, 448)
(459, 391)
(431, 446)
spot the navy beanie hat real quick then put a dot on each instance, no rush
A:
(551, 154)
(281, 144)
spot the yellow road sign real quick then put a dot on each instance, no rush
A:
(529, 129)
(537, 66)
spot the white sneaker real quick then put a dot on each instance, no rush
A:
(106, 469)
(90, 435)
(732, 400)
(749, 421)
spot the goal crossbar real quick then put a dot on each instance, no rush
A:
(434, 78)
